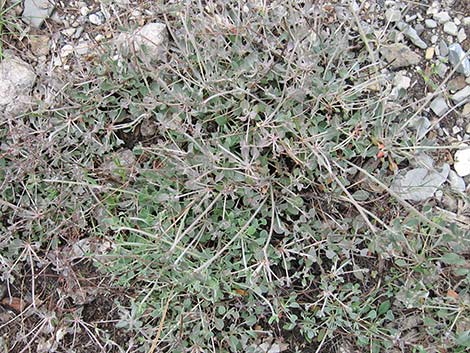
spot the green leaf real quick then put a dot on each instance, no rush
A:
(384, 307)
(452, 259)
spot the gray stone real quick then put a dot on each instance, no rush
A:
(451, 28)
(17, 79)
(36, 11)
(393, 15)
(458, 58)
(149, 40)
(466, 21)
(421, 124)
(442, 17)
(411, 34)
(399, 55)
(443, 48)
(441, 69)
(461, 36)
(419, 28)
(461, 95)
(430, 23)
(419, 184)
(439, 106)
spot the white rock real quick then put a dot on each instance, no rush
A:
(461, 95)
(66, 50)
(439, 106)
(434, 8)
(17, 79)
(68, 32)
(456, 130)
(462, 161)
(456, 182)
(85, 10)
(461, 35)
(442, 17)
(466, 21)
(150, 40)
(96, 18)
(457, 21)
(430, 23)
(434, 39)
(451, 28)
(419, 184)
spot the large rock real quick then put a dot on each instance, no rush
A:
(419, 184)
(148, 42)
(16, 82)
(399, 55)
(36, 11)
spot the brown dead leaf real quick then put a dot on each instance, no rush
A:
(452, 294)
(241, 292)
(14, 303)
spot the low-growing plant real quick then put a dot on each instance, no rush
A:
(259, 206)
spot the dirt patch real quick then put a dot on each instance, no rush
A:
(72, 309)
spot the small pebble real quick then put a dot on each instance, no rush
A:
(439, 106)
(441, 69)
(466, 21)
(66, 50)
(451, 28)
(409, 18)
(429, 53)
(456, 84)
(443, 48)
(457, 21)
(78, 32)
(461, 36)
(456, 130)
(96, 18)
(442, 17)
(461, 95)
(68, 32)
(84, 10)
(430, 23)
(466, 113)
(434, 39)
